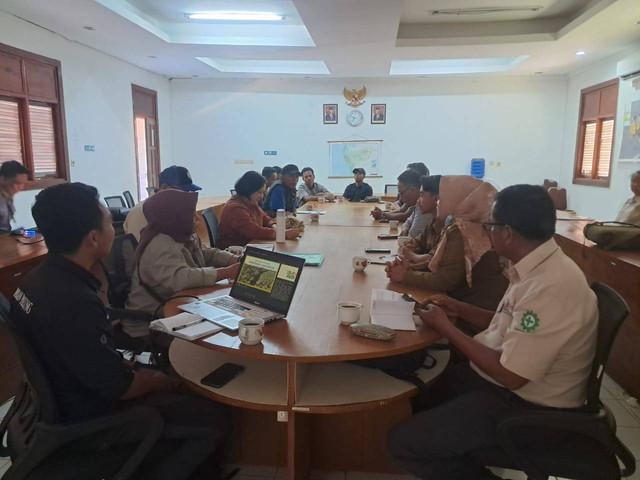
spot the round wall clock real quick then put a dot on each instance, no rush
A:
(355, 118)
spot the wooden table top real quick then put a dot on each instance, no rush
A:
(344, 214)
(312, 332)
(13, 252)
(207, 202)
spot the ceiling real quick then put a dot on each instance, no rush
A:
(345, 38)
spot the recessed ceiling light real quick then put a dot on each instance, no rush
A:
(87, 27)
(581, 53)
(152, 56)
(237, 16)
(538, 73)
(194, 76)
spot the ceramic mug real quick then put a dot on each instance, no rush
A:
(322, 199)
(387, 205)
(393, 224)
(250, 330)
(349, 312)
(359, 263)
(235, 250)
(314, 217)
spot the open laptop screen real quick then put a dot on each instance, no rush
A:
(267, 279)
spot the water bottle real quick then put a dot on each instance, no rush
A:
(281, 219)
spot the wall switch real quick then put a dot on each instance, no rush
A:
(283, 416)
(89, 148)
(498, 164)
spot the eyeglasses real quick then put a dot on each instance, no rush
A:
(488, 226)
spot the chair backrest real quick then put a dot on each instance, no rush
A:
(612, 310)
(547, 184)
(119, 266)
(559, 197)
(37, 403)
(211, 221)
(233, 192)
(151, 190)
(129, 198)
(115, 201)
(391, 189)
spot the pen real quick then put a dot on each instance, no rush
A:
(175, 329)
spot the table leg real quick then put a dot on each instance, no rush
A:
(298, 447)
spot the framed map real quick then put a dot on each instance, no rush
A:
(349, 154)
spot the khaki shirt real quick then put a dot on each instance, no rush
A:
(135, 221)
(546, 328)
(630, 212)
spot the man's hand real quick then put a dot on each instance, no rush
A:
(329, 197)
(159, 381)
(395, 271)
(404, 233)
(450, 306)
(235, 259)
(377, 213)
(291, 234)
(434, 318)
(228, 272)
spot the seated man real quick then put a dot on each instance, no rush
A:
(402, 211)
(13, 179)
(408, 192)
(270, 176)
(171, 178)
(59, 312)
(537, 348)
(630, 210)
(358, 191)
(309, 190)
(282, 194)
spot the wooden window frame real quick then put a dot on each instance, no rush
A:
(24, 99)
(593, 181)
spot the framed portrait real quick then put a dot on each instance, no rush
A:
(379, 113)
(330, 113)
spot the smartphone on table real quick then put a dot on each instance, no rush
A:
(222, 375)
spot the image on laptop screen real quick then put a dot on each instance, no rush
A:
(267, 279)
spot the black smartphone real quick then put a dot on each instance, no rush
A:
(387, 236)
(222, 375)
(377, 250)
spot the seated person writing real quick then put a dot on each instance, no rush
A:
(242, 220)
(171, 257)
(58, 311)
(459, 258)
(13, 179)
(630, 210)
(535, 351)
(282, 194)
(409, 193)
(309, 190)
(358, 191)
(404, 210)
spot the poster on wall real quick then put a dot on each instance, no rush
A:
(349, 154)
(630, 149)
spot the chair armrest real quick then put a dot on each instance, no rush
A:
(50, 438)
(123, 313)
(592, 425)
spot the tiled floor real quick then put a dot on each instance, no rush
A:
(625, 409)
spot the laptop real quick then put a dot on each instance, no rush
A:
(263, 288)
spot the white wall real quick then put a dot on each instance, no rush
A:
(99, 110)
(443, 122)
(597, 202)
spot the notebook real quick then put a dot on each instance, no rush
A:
(389, 309)
(310, 259)
(185, 325)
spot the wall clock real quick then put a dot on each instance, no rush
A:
(355, 118)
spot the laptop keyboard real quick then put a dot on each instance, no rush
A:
(241, 310)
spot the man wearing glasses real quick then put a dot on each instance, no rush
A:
(409, 193)
(536, 350)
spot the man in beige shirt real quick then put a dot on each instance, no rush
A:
(536, 350)
(630, 210)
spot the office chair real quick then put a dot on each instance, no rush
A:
(211, 221)
(233, 192)
(559, 197)
(547, 184)
(391, 189)
(129, 198)
(115, 201)
(36, 439)
(593, 450)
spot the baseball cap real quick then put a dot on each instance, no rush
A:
(291, 170)
(359, 170)
(178, 177)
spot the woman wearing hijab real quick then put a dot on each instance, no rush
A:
(170, 257)
(455, 255)
(242, 220)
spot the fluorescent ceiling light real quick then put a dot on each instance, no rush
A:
(581, 53)
(452, 66)
(290, 67)
(237, 16)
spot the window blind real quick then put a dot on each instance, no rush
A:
(43, 140)
(10, 138)
(588, 149)
(606, 144)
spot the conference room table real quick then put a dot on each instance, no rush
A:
(301, 369)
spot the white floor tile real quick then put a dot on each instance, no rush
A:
(4, 466)
(614, 389)
(630, 436)
(624, 418)
(4, 408)
(378, 476)
(282, 472)
(511, 474)
(633, 406)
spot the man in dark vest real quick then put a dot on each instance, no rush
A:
(282, 193)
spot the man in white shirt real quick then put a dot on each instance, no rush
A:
(536, 350)
(173, 177)
(309, 190)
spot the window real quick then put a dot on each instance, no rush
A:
(32, 127)
(596, 126)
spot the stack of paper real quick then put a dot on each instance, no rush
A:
(309, 212)
(391, 310)
(263, 246)
(185, 325)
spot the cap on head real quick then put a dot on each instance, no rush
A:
(359, 170)
(178, 177)
(291, 170)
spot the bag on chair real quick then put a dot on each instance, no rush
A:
(609, 235)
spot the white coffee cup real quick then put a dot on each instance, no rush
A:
(349, 312)
(387, 205)
(250, 330)
(393, 224)
(360, 263)
(314, 217)
(322, 199)
(309, 206)
(235, 250)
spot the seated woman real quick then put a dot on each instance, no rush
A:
(630, 211)
(242, 219)
(454, 255)
(171, 257)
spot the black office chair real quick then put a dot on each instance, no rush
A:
(233, 192)
(211, 221)
(36, 439)
(129, 199)
(115, 201)
(592, 449)
(391, 189)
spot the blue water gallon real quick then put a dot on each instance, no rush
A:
(477, 167)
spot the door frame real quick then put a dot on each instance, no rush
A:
(137, 89)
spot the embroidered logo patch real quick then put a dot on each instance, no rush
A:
(530, 321)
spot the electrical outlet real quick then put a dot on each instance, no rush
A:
(283, 416)
(498, 164)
